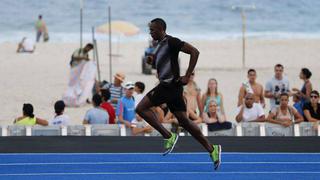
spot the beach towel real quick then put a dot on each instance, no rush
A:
(248, 87)
(81, 82)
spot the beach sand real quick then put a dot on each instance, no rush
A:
(42, 77)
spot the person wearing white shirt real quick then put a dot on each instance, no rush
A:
(26, 45)
(250, 111)
(60, 118)
(139, 89)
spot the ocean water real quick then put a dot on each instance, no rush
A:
(188, 19)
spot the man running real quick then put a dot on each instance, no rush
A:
(170, 89)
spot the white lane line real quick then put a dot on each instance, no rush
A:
(157, 173)
(164, 162)
(186, 153)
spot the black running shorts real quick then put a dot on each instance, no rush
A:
(170, 94)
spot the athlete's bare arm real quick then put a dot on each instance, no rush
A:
(194, 54)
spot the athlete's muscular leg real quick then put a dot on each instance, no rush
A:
(144, 110)
(193, 129)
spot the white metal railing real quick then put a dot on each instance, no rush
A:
(204, 128)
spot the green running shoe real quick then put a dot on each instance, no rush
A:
(170, 143)
(216, 156)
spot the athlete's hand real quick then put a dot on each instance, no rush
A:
(184, 80)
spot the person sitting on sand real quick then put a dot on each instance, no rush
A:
(60, 118)
(28, 118)
(96, 115)
(105, 95)
(80, 55)
(26, 45)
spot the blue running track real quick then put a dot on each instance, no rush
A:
(146, 166)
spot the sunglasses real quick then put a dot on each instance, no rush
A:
(312, 96)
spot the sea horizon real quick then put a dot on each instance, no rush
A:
(187, 19)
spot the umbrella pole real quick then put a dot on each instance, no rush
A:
(110, 45)
(118, 45)
(95, 53)
(81, 23)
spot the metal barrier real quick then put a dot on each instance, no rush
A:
(77, 130)
(240, 129)
(308, 129)
(17, 130)
(250, 129)
(46, 131)
(105, 130)
(278, 130)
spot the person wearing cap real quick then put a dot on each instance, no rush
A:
(116, 89)
(125, 108)
(60, 118)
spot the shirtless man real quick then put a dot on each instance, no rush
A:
(252, 87)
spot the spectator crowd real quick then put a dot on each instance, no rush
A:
(115, 103)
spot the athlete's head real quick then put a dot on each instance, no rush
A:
(157, 28)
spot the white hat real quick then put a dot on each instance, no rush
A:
(129, 85)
